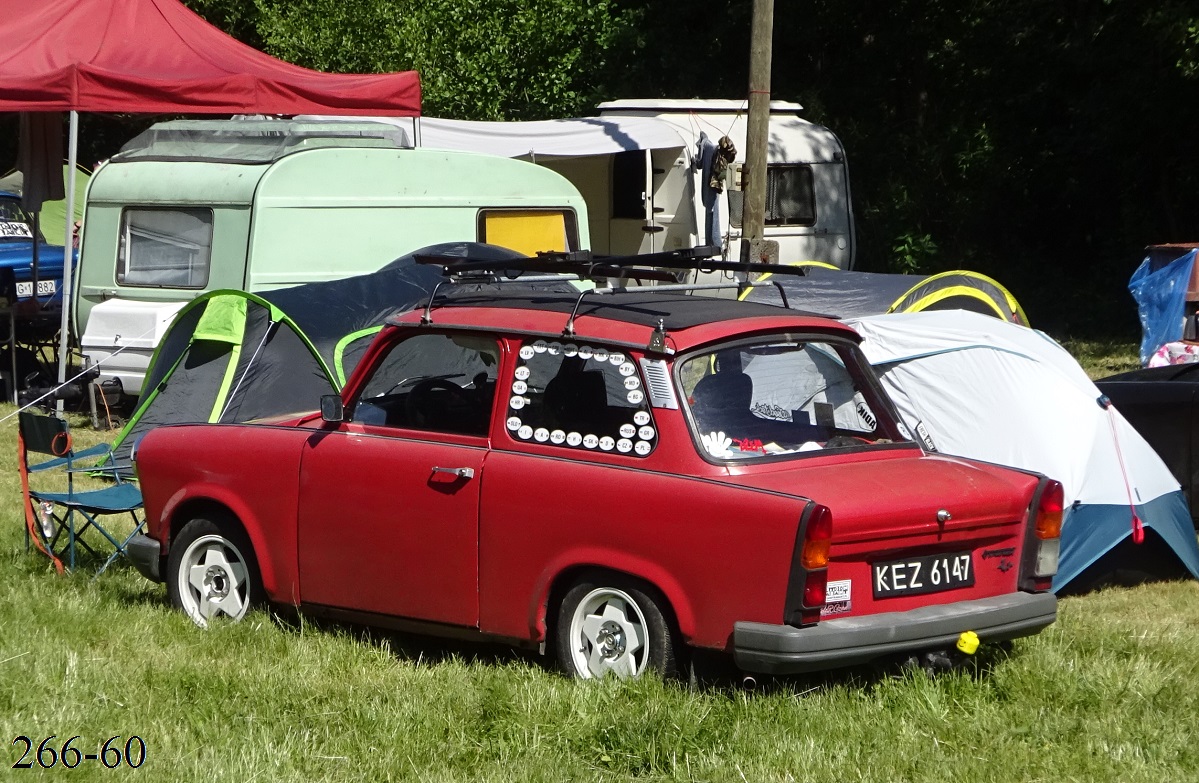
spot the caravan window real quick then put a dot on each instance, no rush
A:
(529, 231)
(165, 248)
(790, 197)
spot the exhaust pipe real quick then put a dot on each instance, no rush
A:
(749, 682)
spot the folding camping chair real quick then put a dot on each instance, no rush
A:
(57, 521)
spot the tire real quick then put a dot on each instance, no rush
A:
(608, 624)
(211, 572)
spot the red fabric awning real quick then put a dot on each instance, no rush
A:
(159, 57)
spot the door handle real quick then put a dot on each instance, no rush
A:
(466, 473)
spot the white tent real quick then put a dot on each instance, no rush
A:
(995, 391)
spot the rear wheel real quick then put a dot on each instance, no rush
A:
(211, 572)
(612, 625)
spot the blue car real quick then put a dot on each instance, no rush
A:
(16, 254)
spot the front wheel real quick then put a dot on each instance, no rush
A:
(211, 573)
(613, 626)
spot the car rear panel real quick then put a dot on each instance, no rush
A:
(910, 531)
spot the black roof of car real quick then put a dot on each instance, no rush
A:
(645, 308)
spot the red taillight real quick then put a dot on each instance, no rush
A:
(1049, 512)
(818, 539)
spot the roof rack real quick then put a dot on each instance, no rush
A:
(646, 266)
(583, 265)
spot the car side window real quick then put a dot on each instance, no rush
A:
(580, 396)
(435, 382)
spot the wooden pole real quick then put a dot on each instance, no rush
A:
(753, 218)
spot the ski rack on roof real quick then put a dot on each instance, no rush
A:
(668, 267)
(646, 266)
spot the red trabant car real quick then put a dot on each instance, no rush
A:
(615, 479)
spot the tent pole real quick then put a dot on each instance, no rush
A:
(68, 254)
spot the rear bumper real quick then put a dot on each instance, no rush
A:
(783, 649)
(146, 556)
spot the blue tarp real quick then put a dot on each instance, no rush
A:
(1161, 301)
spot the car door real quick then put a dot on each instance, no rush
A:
(389, 499)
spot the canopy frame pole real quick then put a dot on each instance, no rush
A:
(68, 255)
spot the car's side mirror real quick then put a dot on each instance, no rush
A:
(332, 410)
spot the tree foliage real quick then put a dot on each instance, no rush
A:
(1043, 143)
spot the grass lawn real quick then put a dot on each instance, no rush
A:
(1109, 693)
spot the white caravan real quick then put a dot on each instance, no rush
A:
(644, 169)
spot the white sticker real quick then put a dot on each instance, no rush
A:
(540, 346)
(590, 441)
(514, 423)
(525, 432)
(640, 418)
(631, 382)
(520, 387)
(627, 430)
(616, 357)
(526, 352)
(570, 349)
(600, 355)
(636, 396)
(624, 445)
(522, 373)
(554, 349)
(516, 403)
(642, 447)
(558, 437)
(627, 369)
(838, 591)
(541, 434)
(573, 439)
(646, 433)
(584, 351)
(607, 442)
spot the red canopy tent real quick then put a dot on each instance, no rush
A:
(159, 57)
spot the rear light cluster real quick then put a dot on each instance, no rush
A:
(809, 567)
(1044, 543)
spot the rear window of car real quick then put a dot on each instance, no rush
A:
(580, 396)
(777, 397)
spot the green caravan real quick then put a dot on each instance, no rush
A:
(192, 206)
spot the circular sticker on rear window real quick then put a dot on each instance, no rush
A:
(554, 349)
(540, 346)
(522, 373)
(590, 441)
(607, 442)
(627, 369)
(640, 418)
(514, 423)
(526, 352)
(573, 439)
(626, 430)
(646, 433)
(541, 434)
(584, 351)
(558, 437)
(624, 445)
(520, 387)
(525, 432)
(570, 349)
(643, 447)
(616, 357)
(636, 396)
(631, 383)
(516, 403)
(600, 355)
